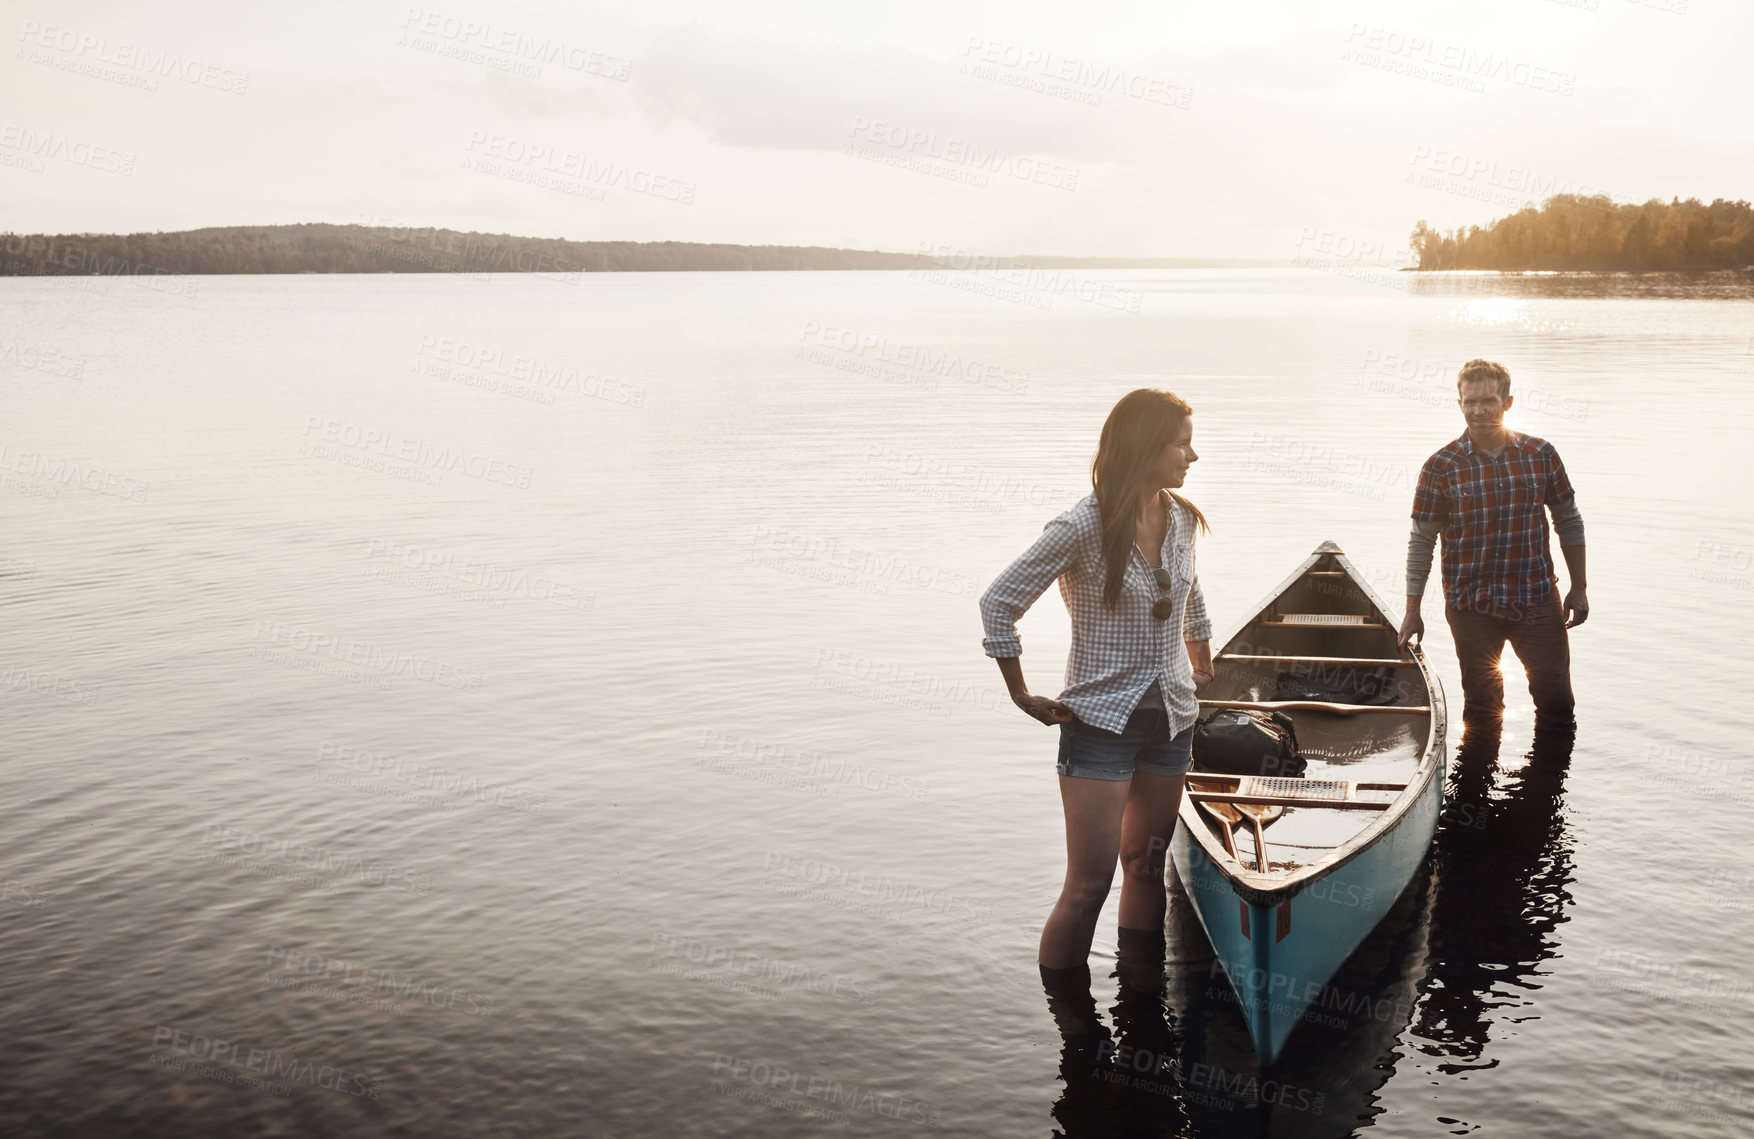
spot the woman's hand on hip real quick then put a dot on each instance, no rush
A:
(1043, 708)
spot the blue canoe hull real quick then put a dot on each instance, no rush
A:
(1280, 957)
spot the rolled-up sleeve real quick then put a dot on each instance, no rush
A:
(1196, 626)
(1027, 578)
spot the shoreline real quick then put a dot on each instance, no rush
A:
(6, 274)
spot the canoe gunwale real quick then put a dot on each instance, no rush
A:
(1270, 890)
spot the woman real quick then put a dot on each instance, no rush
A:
(1124, 558)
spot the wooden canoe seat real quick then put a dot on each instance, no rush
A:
(1322, 620)
(1359, 662)
(1321, 706)
(1274, 792)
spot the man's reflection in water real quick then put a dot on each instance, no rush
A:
(1505, 867)
(1469, 933)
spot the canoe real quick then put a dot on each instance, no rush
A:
(1326, 1083)
(1355, 827)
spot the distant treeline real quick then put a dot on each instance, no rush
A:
(386, 249)
(1572, 232)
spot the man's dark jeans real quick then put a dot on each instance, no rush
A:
(1537, 633)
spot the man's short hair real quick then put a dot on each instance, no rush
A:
(1485, 370)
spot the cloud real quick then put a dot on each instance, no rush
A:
(755, 92)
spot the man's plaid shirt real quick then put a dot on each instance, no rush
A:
(1116, 653)
(1495, 547)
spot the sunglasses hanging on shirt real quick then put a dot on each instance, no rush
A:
(1164, 605)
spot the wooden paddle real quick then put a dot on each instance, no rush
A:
(1228, 818)
(1259, 814)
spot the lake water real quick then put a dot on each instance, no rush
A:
(526, 706)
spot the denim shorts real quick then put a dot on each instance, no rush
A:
(1088, 752)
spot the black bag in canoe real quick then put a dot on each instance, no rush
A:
(1247, 741)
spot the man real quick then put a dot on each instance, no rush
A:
(1484, 493)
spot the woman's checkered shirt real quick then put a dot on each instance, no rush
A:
(1116, 653)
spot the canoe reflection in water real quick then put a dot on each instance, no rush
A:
(1462, 941)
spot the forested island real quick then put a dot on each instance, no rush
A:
(1573, 232)
(321, 248)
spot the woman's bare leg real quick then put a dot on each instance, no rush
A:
(1094, 810)
(1146, 828)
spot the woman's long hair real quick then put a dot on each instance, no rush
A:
(1140, 426)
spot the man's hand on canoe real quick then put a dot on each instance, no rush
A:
(1046, 709)
(1412, 625)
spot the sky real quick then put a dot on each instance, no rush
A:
(1166, 129)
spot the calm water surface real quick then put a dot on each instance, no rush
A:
(523, 706)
